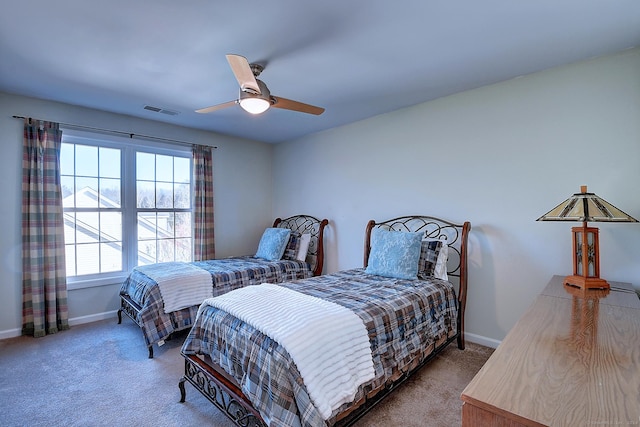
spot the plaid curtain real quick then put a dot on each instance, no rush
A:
(44, 283)
(203, 241)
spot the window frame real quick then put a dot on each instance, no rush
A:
(129, 147)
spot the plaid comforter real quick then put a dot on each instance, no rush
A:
(406, 320)
(227, 274)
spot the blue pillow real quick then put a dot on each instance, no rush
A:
(394, 254)
(273, 243)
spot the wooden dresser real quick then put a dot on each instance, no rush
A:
(571, 360)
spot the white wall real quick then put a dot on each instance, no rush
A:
(500, 157)
(242, 174)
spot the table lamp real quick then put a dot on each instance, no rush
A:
(586, 207)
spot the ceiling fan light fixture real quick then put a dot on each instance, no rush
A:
(255, 97)
(254, 105)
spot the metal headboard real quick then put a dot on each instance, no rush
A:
(311, 225)
(456, 236)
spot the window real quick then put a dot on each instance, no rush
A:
(163, 200)
(91, 199)
(124, 206)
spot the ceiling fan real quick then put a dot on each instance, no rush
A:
(255, 97)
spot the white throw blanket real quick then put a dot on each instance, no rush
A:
(181, 284)
(328, 343)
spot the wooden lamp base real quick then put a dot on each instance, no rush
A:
(586, 282)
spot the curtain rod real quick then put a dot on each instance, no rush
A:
(118, 132)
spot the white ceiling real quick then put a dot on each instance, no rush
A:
(356, 58)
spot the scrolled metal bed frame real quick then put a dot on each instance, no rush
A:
(300, 223)
(221, 390)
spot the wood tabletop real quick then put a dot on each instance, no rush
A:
(621, 294)
(569, 361)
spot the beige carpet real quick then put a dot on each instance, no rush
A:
(98, 374)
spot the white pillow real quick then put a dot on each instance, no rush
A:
(305, 239)
(440, 271)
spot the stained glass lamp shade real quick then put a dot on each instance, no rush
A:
(586, 207)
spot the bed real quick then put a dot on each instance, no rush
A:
(247, 370)
(141, 297)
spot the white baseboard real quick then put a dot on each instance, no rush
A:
(479, 339)
(12, 333)
(93, 318)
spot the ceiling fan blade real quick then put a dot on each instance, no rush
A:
(242, 70)
(288, 104)
(216, 107)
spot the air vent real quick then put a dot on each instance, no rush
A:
(161, 110)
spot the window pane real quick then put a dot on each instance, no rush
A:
(87, 226)
(165, 225)
(68, 191)
(110, 257)
(110, 193)
(88, 259)
(182, 169)
(183, 196)
(183, 250)
(69, 227)
(67, 159)
(146, 194)
(166, 250)
(164, 168)
(164, 195)
(146, 252)
(86, 192)
(86, 160)
(109, 163)
(70, 259)
(146, 166)
(146, 225)
(111, 227)
(182, 226)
